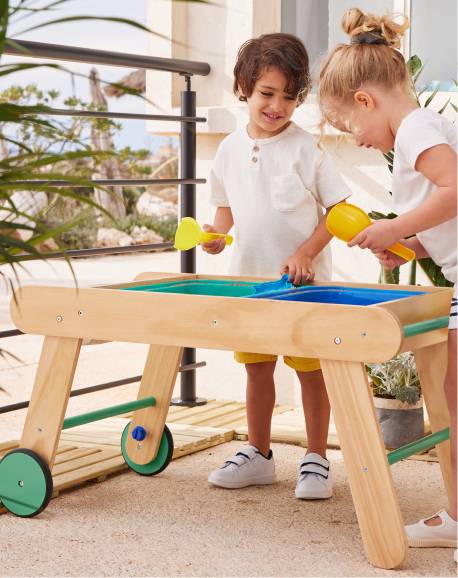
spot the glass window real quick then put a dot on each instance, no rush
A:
(317, 22)
(433, 37)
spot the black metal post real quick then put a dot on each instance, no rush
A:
(188, 209)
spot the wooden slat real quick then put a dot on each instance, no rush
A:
(82, 462)
(73, 454)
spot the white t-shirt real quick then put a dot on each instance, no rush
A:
(420, 130)
(276, 189)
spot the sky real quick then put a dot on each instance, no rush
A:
(98, 35)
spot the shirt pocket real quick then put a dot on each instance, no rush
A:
(288, 193)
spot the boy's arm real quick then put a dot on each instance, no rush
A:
(299, 266)
(222, 223)
(317, 241)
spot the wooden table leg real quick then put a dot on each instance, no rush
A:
(158, 380)
(431, 364)
(371, 483)
(53, 383)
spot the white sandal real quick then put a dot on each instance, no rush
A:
(444, 535)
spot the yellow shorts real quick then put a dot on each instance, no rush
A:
(297, 363)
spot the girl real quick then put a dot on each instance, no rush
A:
(365, 90)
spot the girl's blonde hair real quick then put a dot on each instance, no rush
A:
(371, 56)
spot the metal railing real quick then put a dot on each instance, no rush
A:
(187, 179)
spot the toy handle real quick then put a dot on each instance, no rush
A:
(402, 251)
(206, 237)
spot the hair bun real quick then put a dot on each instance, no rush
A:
(356, 22)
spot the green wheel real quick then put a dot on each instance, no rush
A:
(160, 462)
(25, 483)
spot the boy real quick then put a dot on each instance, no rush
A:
(271, 182)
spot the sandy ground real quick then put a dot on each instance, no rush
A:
(176, 525)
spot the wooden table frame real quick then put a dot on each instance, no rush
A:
(343, 337)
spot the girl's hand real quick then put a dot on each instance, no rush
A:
(377, 237)
(389, 260)
(299, 269)
(213, 247)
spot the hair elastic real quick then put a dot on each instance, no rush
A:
(367, 38)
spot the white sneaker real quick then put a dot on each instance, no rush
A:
(315, 481)
(420, 535)
(247, 468)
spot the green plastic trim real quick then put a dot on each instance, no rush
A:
(424, 326)
(156, 465)
(25, 483)
(108, 412)
(422, 444)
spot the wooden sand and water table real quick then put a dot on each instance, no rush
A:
(342, 324)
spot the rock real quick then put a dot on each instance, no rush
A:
(112, 238)
(28, 202)
(49, 246)
(143, 236)
(153, 206)
(169, 194)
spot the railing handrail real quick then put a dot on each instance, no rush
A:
(188, 119)
(31, 49)
(126, 115)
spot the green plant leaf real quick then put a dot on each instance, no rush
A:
(414, 65)
(127, 21)
(431, 97)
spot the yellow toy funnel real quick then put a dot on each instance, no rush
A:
(345, 221)
(189, 234)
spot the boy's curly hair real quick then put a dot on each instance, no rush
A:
(283, 51)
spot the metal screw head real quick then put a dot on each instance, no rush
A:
(59, 318)
(80, 313)
(364, 334)
(20, 483)
(215, 322)
(365, 469)
(337, 340)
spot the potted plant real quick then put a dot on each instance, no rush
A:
(397, 399)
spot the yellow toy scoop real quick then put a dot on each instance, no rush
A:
(345, 221)
(189, 234)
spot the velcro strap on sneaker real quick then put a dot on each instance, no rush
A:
(314, 468)
(241, 458)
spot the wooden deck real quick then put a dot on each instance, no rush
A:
(92, 452)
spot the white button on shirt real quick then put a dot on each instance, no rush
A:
(277, 194)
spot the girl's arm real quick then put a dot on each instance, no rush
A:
(389, 260)
(438, 164)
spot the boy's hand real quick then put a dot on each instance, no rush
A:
(377, 237)
(213, 247)
(389, 260)
(299, 268)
